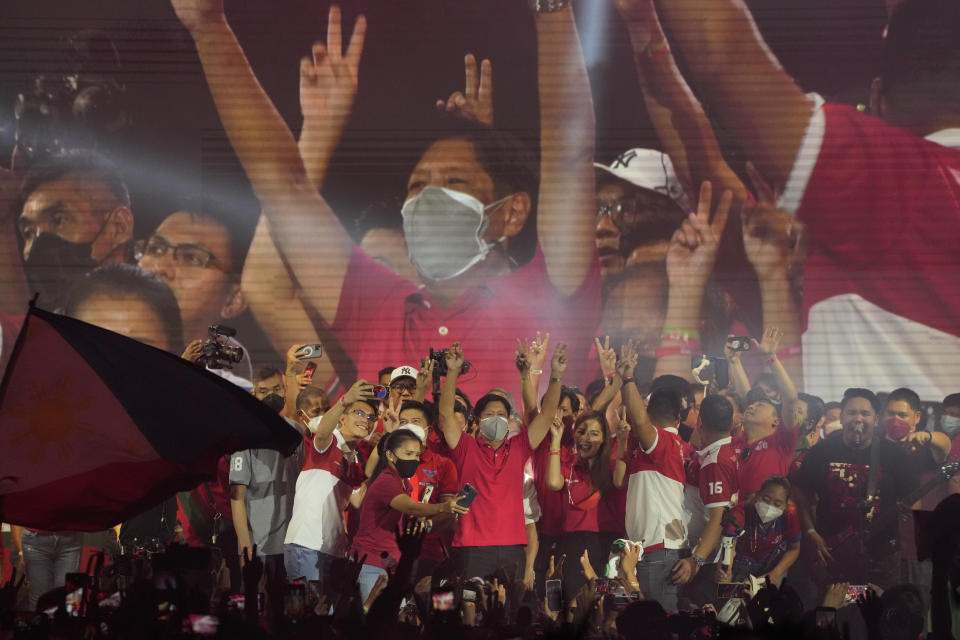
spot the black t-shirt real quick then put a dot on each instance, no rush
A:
(839, 474)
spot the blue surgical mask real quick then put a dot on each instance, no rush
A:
(950, 425)
(444, 232)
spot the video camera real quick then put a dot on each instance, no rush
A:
(440, 363)
(217, 352)
(79, 109)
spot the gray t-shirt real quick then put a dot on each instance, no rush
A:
(271, 480)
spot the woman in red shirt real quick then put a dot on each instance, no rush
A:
(585, 476)
(386, 501)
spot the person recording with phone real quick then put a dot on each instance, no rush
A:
(493, 535)
(387, 500)
(331, 470)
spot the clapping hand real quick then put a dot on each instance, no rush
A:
(476, 100)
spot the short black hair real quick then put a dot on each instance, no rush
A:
(83, 163)
(511, 164)
(309, 394)
(594, 389)
(952, 400)
(266, 371)
(487, 399)
(920, 63)
(777, 480)
(815, 407)
(664, 407)
(831, 405)
(127, 280)
(205, 207)
(423, 407)
(866, 394)
(730, 394)
(905, 395)
(716, 414)
(569, 393)
(385, 371)
(757, 394)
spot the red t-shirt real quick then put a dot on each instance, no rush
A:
(582, 509)
(435, 476)
(379, 521)
(496, 515)
(766, 457)
(711, 482)
(881, 214)
(383, 318)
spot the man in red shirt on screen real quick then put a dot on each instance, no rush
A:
(879, 197)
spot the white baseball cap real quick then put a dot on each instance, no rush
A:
(648, 169)
(403, 372)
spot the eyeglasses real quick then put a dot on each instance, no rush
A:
(189, 255)
(369, 417)
(404, 386)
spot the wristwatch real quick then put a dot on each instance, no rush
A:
(548, 6)
(700, 561)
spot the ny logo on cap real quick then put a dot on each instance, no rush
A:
(406, 371)
(623, 160)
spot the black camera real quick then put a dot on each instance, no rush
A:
(217, 352)
(440, 363)
(79, 109)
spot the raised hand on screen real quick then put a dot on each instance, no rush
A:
(328, 77)
(475, 102)
(693, 248)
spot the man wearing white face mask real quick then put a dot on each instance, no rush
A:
(470, 190)
(493, 534)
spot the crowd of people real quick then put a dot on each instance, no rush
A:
(761, 443)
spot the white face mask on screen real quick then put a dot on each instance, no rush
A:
(444, 232)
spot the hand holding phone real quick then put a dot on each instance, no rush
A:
(309, 351)
(738, 343)
(467, 495)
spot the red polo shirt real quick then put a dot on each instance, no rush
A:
(384, 318)
(552, 503)
(770, 456)
(496, 515)
(583, 500)
(436, 475)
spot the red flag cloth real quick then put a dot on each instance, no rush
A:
(96, 427)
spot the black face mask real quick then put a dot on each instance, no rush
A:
(53, 262)
(407, 468)
(273, 401)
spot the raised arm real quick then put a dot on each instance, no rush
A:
(448, 395)
(768, 347)
(328, 86)
(612, 380)
(529, 359)
(739, 381)
(270, 157)
(554, 467)
(361, 390)
(727, 61)
(540, 425)
(643, 429)
(690, 260)
(678, 117)
(771, 238)
(275, 301)
(567, 141)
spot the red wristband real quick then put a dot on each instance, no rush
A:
(343, 401)
(688, 350)
(789, 352)
(610, 375)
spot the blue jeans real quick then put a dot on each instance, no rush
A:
(309, 563)
(653, 572)
(368, 577)
(48, 558)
